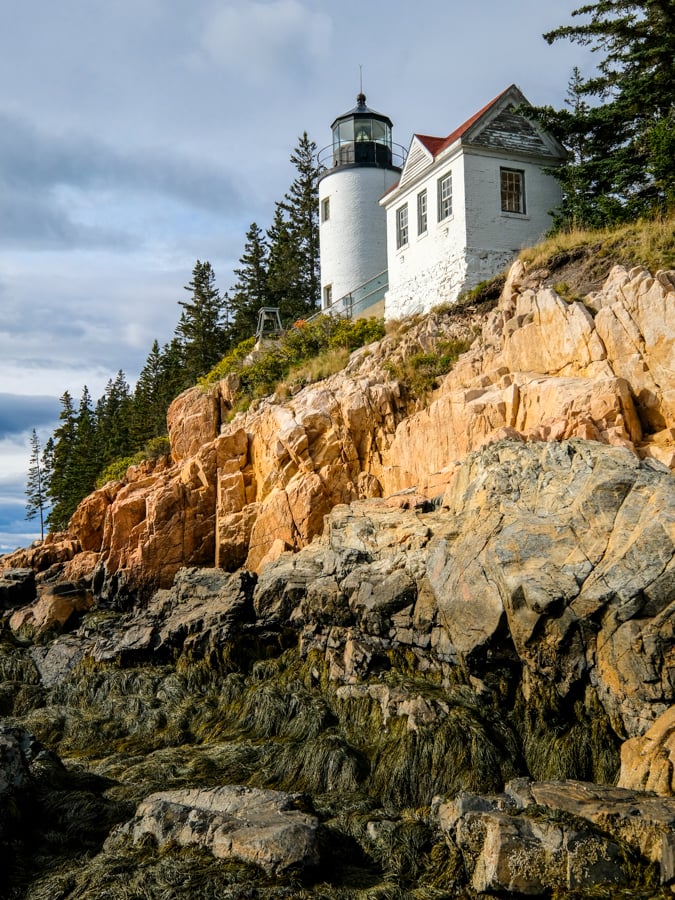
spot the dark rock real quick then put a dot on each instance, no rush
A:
(17, 588)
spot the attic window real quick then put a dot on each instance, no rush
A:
(512, 184)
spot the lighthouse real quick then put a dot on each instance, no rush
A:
(359, 167)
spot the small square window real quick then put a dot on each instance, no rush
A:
(445, 197)
(512, 185)
(327, 295)
(421, 212)
(402, 226)
(325, 209)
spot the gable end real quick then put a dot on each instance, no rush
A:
(510, 131)
(418, 159)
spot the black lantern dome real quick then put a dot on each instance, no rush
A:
(362, 137)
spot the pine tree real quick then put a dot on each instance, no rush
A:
(36, 485)
(61, 467)
(200, 330)
(628, 134)
(86, 459)
(250, 291)
(113, 421)
(301, 211)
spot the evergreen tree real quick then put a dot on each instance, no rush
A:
(283, 268)
(301, 211)
(250, 291)
(113, 421)
(61, 467)
(86, 461)
(628, 135)
(36, 485)
(200, 331)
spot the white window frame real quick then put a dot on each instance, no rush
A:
(327, 296)
(422, 213)
(444, 188)
(325, 209)
(402, 227)
(512, 191)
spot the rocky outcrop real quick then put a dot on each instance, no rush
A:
(518, 842)
(548, 369)
(445, 676)
(241, 492)
(267, 828)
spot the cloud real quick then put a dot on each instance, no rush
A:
(20, 413)
(71, 190)
(260, 39)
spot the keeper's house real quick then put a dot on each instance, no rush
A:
(465, 204)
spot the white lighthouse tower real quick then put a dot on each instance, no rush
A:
(361, 165)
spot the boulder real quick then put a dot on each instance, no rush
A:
(268, 828)
(56, 608)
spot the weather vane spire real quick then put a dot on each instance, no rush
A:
(361, 99)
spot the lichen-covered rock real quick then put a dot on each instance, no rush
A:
(267, 828)
(204, 609)
(510, 844)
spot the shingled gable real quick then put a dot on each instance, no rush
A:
(496, 125)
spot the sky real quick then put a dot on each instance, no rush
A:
(138, 136)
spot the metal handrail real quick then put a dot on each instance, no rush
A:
(370, 293)
(349, 153)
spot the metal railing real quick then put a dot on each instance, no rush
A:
(361, 153)
(355, 302)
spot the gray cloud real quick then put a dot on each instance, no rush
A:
(20, 413)
(71, 190)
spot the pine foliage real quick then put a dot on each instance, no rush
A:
(620, 120)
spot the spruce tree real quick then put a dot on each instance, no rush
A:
(61, 484)
(201, 328)
(628, 130)
(36, 485)
(301, 211)
(250, 291)
(113, 421)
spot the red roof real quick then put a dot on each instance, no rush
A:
(436, 144)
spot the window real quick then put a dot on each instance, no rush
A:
(327, 294)
(325, 209)
(512, 183)
(445, 197)
(402, 226)
(422, 212)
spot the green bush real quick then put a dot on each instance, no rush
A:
(116, 470)
(304, 341)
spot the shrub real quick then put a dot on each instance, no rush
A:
(305, 341)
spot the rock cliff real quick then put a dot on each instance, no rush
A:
(241, 491)
(368, 643)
